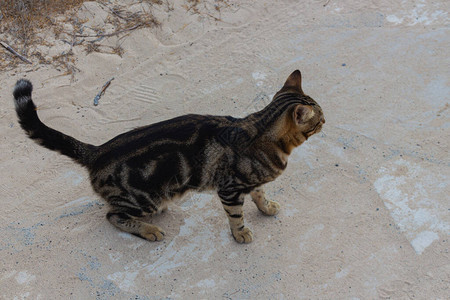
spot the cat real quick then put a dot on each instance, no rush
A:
(137, 172)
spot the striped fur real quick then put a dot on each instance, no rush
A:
(139, 171)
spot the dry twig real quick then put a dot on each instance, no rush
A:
(7, 47)
(110, 34)
(104, 87)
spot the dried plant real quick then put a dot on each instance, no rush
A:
(22, 20)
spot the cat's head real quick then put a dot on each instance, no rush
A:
(304, 116)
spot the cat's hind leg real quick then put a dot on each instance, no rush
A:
(127, 219)
(267, 207)
(232, 204)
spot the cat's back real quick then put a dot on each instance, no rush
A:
(162, 138)
(179, 129)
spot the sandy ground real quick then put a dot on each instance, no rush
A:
(365, 206)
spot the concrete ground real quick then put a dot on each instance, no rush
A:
(365, 204)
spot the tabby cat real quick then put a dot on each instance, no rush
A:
(139, 171)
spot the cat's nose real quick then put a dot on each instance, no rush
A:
(322, 120)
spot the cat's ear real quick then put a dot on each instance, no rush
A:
(302, 113)
(294, 81)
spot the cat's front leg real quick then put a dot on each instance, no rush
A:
(267, 207)
(232, 204)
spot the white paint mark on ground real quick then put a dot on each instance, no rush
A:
(8, 275)
(198, 230)
(22, 296)
(394, 19)
(200, 200)
(342, 273)
(125, 235)
(420, 14)
(225, 237)
(115, 257)
(418, 201)
(223, 85)
(74, 177)
(206, 283)
(24, 278)
(290, 210)
(312, 232)
(77, 202)
(259, 78)
(423, 240)
(124, 280)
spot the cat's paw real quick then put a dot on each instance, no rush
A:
(271, 209)
(152, 233)
(243, 236)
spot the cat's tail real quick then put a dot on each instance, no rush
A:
(44, 135)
